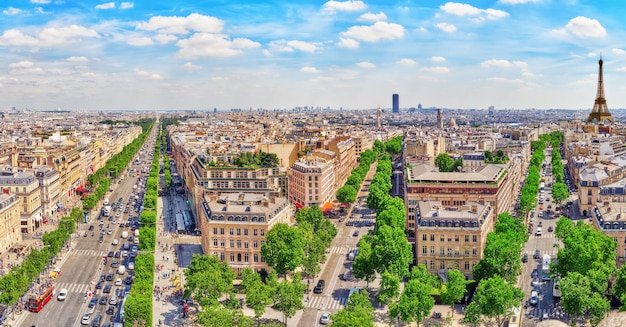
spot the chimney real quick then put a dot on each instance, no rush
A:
(272, 199)
(474, 208)
(265, 202)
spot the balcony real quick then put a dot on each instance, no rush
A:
(449, 256)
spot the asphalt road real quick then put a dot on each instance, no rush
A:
(81, 268)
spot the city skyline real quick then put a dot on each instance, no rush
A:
(98, 55)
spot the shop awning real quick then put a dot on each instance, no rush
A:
(327, 207)
(298, 205)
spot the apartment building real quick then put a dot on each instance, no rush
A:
(610, 218)
(50, 190)
(10, 230)
(234, 225)
(345, 158)
(26, 187)
(312, 180)
(451, 237)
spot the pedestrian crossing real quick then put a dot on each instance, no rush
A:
(552, 253)
(340, 250)
(91, 253)
(74, 287)
(326, 303)
(553, 313)
(547, 235)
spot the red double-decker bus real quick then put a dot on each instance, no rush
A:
(36, 302)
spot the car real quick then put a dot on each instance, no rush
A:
(128, 280)
(356, 233)
(110, 277)
(124, 253)
(534, 297)
(525, 257)
(115, 264)
(535, 282)
(115, 241)
(118, 282)
(97, 320)
(110, 254)
(319, 288)
(118, 254)
(538, 232)
(534, 274)
(113, 300)
(102, 277)
(103, 300)
(540, 224)
(325, 318)
(85, 320)
(109, 231)
(62, 295)
(92, 303)
(537, 254)
(110, 310)
(550, 229)
(99, 285)
(91, 227)
(107, 288)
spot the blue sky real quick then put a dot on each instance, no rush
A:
(90, 55)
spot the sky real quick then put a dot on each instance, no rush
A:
(224, 54)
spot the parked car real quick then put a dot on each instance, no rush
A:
(92, 303)
(319, 288)
(537, 254)
(550, 229)
(525, 257)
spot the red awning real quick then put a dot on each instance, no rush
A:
(298, 205)
(81, 189)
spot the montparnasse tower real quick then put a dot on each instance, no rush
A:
(600, 112)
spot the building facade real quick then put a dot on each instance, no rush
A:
(26, 187)
(311, 181)
(10, 231)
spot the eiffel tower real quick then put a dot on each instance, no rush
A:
(600, 112)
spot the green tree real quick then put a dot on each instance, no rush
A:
(560, 192)
(357, 312)
(217, 316)
(619, 287)
(288, 296)
(284, 248)
(346, 194)
(378, 147)
(455, 288)
(495, 298)
(207, 279)
(597, 306)
(389, 288)
(363, 266)
(391, 217)
(444, 162)
(415, 302)
(258, 294)
(391, 251)
(501, 257)
(575, 290)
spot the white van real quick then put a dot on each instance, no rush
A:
(538, 233)
(121, 270)
(136, 232)
(124, 234)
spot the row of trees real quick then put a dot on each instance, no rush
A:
(585, 264)
(138, 304)
(497, 272)
(14, 284)
(113, 166)
(528, 194)
(560, 191)
(348, 192)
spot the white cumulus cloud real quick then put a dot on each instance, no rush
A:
(309, 70)
(348, 43)
(182, 25)
(618, 51)
(374, 33)
(463, 9)
(407, 62)
(448, 28)
(104, 6)
(437, 69)
(371, 17)
(77, 59)
(24, 68)
(437, 59)
(140, 41)
(501, 63)
(622, 69)
(47, 37)
(165, 38)
(126, 5)
(147, 75)
(333, 6)
(190, 66)
(366, 64)
(11, 11)
(291, 46)
(213, 45)
(582, 27)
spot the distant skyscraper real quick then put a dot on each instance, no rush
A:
(396, 103)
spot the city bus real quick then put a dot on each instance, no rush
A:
(39, 299)
(545, 267)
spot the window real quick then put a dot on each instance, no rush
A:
(442, 238)
(232, 244)
(432, 237)
(466, 251)
(474, 252)
(424, 249)
(232, 231)
(222, 256)
(245, 257)
(254, 232)
(424, 237)
(474, 238)
(215, 230)
(449, 251)
(432, 250)
(238, 257)
(239, 244)
(456, 238)
(245, 232)
(256, 257)
(432, 264)
(467, 265)
(238, 231)
(255, 244)
(245, 245)
(232, 257)
(442, 250)
(214, 242)
(222, 242)
(262, 232)
(221, 231)
(442, 265)
(466, 238)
